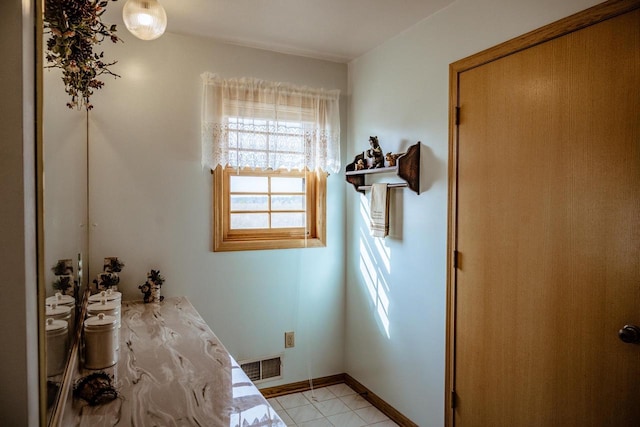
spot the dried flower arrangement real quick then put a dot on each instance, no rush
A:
(112, 265)
(96, 388)
(107, 281)
(151, 288)
(65, 281)
(64, 284)
(62, 267)
(76, 28)
(156, 277)
(109, 278)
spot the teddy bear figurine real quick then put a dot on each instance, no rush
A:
(391, 158)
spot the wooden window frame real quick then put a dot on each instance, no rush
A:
(225, 239)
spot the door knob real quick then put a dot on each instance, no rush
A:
(630, 334)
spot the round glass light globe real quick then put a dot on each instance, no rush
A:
(145, 19)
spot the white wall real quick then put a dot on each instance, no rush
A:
(65, 177)
(399, 92)
(151, 202)
(19, 331)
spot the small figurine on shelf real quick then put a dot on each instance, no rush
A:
(392, 158)
(375, 153)
(151, 288)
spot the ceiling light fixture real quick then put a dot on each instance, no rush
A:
(145, 19)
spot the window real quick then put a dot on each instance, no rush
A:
(270, 146)
(255, 209)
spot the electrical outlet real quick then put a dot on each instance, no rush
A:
(289, 340)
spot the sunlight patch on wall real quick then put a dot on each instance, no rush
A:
(384, 253)
(375, 266)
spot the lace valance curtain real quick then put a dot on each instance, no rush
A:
(259, 124)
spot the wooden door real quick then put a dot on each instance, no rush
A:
(547, 228)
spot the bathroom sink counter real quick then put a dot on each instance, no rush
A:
(173, 371)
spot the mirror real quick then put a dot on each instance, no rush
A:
(65, 219)
(73, 68)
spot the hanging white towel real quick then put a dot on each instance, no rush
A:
(379, 210)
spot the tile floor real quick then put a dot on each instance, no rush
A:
(335, 405)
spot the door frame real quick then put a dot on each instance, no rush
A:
(578, 21)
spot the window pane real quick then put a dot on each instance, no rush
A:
(256, 159)
(252, 141)
(253, 123)
(244, 225)
(248, 184)
(287, 185)
(287, 220)
(244, 221)
(249, 203)
(287, 203)
(286, 143)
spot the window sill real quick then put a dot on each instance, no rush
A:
(245, 245)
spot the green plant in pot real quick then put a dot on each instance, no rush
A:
(76, 28)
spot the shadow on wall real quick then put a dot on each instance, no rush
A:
(430, 168)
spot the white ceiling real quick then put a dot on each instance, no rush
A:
(337, 30)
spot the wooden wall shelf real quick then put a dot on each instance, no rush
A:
(408, 168)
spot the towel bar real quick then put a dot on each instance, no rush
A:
(398, 185)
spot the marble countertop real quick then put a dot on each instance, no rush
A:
(173, 371)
